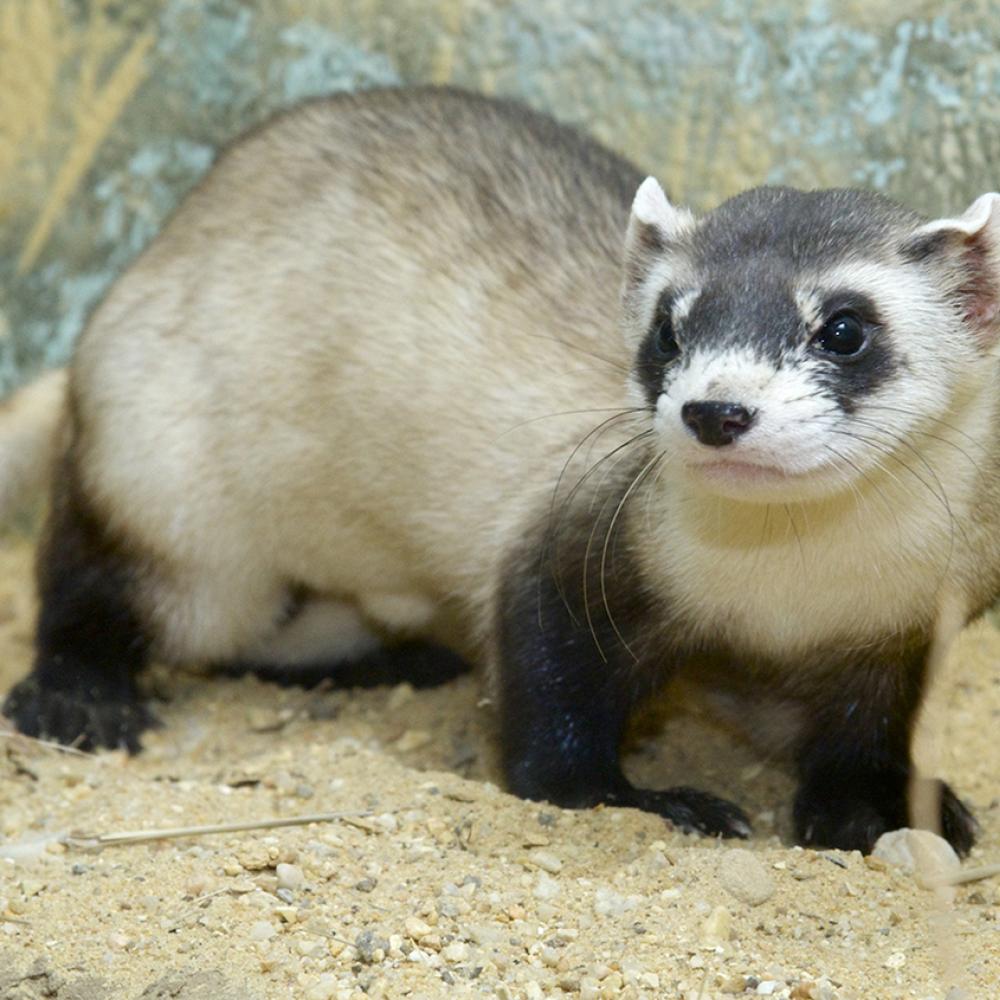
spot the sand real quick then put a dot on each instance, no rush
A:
(432, 882)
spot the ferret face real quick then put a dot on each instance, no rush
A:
(789, 344)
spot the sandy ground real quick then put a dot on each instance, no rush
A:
(434, 883)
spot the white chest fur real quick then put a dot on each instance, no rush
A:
(778, 579)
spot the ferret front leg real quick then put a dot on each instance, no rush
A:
(89, 642)
(563, 711)
(855, 765)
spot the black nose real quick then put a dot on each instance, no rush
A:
(717, 424)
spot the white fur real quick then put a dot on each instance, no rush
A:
(651, 207)
(791, 427)
(810, 304)
(321, 632)
(773, 576)
(982, 214)
(683, 305)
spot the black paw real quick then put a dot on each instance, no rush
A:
(855, 823)
(75, 718)
(958, 825)
(688, 809)
(422, 664)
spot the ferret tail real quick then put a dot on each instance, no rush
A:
(29, 433)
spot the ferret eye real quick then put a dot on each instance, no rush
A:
(665, 342)
(843, 334)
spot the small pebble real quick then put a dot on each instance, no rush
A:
(926, 855)
(457, 951)
(743, 876)
(262, 931)
(366, 884)
(546, 887)
(417, 928)
(486, 934)
(608, 903)
(290, 877)
(547, 861)
(119, 941)
(717, 927)
(371, 947)
(413, 739)
(325, 989)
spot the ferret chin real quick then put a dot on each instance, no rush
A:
(413, 351)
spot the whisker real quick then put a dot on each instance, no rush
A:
(878, 489)
(575, 346)
(636, 481)
(548, 537)
(798, 537)
(920, 416)
(569, 413)
(550, 547)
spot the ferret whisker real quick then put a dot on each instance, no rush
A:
(805, 396)
(762, 542)
(942, 497)
(921, 416)
(551, 545)
(585, 579)
(636, 481)
(549, 536)
(574, 346)
(569, 413)
(598, 430)
(900, 441)
(798, 537)
(876, 487)
(927, 434)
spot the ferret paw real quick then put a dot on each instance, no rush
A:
(854, 824)
(958, 825)
(74, 718)
(689, 810)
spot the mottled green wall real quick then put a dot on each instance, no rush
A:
(109, 111)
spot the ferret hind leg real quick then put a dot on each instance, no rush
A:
(91, 639)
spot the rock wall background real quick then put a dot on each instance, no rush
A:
(111, 110)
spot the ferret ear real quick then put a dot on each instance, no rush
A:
(970, 245)
(652, 226)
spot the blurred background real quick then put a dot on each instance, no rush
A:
(111, 109)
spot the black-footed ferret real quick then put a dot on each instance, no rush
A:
(397, 354)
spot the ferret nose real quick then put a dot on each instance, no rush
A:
(715, 423)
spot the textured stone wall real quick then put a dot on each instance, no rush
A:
(109, 111)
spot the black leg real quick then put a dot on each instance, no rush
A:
(89, 642)
(422, 664)
(855, 766)
(566, 693)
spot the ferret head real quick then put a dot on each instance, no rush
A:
(789, 342)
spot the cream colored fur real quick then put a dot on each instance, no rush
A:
(29, 424)
(326, 370)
